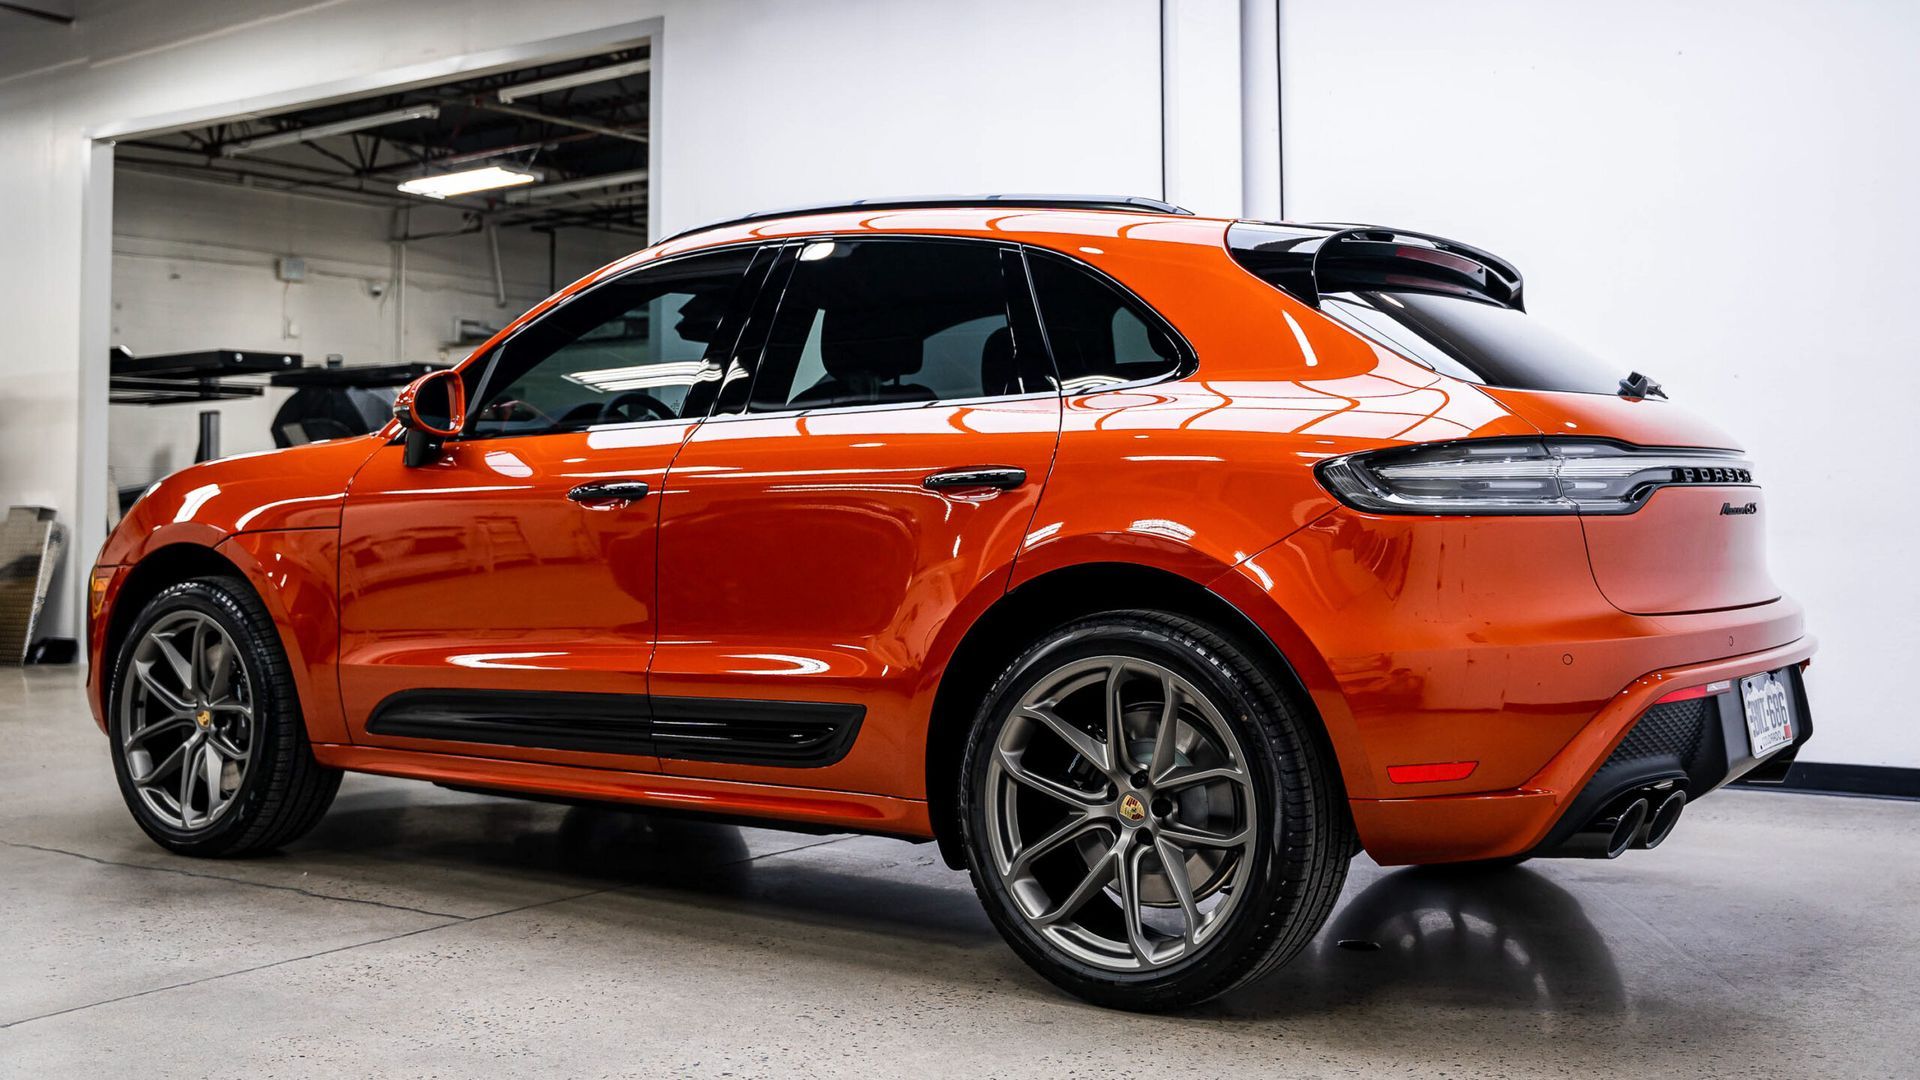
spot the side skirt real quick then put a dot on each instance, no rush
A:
(769, 805)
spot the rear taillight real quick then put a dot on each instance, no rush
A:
(1522, 476)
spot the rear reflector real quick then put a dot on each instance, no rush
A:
(1431, 773)
(1692, 692)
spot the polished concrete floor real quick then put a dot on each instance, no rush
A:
(420, 932)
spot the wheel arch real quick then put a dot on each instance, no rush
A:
(1049, 600)
(156, 571)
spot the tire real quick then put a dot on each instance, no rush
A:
(230, 712)
(1262, 848)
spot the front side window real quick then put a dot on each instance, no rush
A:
(643, 347)
(883, 322)
(1100, 336)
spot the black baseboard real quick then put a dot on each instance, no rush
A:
(1818, 776)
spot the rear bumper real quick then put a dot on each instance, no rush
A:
(1471, 676)
(1557, 799)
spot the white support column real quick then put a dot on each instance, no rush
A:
(1201, 110)
(67, 600)
(1262, 179)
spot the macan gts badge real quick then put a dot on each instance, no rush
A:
(1151, 565)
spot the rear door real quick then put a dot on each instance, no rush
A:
(880, 470)
(502, 596)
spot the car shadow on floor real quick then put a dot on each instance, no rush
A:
(1501, 940)
(1509, 939)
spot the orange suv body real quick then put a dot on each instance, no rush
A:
(823, 554)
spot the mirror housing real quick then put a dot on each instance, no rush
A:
(431, 408)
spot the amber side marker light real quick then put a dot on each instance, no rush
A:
(97, 593)
(1431, 773)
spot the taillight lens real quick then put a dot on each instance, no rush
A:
(1522, 476)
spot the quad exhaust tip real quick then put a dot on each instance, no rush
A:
(1643, 820)
(1665, 817)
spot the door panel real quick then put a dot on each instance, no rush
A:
(478, 573)
(803, 559)
(500, 598)
(882, 471)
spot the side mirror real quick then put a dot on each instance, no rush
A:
(432, 407)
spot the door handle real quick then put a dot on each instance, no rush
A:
(990, 476)
(606, 490)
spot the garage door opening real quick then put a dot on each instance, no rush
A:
(276, 277)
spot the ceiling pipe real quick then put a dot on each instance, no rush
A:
(560, 121)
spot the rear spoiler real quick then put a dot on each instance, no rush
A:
(1308, 261)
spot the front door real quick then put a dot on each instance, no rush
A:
(818, 535)
(502, 596)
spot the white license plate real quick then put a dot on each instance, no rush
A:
(1769, 707)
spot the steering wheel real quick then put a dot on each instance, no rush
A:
(617, 410)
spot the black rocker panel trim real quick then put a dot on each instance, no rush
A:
(593, 723)
(795, 734)
(801, 734)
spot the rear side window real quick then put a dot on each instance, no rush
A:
(1476, 341)
(1100, 335)
(880, 322)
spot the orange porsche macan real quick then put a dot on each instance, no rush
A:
(1152, 565)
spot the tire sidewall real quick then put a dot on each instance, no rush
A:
(1206, 670)
(216, 600)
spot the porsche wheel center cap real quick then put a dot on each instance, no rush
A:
(1132, 810)
(204, 717)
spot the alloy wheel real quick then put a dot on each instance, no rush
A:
(1120, 813)
(186, 720)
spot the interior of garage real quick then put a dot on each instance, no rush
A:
(275, 281)
(203, 217)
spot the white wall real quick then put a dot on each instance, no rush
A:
(760, 102)
(1719, 194)
(194, 268)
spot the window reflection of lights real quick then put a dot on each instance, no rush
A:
(1081, 384)
(1162, 527)
(1299, 335)
(645, 376)
(816, 251)
(503, 660)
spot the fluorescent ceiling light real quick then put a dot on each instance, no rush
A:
(586, 183)
(509, 94)
(338, 127)
(441, 185)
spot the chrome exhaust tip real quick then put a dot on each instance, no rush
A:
(1665, 817)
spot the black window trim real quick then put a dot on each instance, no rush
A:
(743, 410)
(741, 315)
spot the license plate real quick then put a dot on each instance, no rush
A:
(1769, 707)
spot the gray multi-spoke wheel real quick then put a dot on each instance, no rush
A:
(186, 720)
(208, 741)
(1149, 819)
(1152, 819)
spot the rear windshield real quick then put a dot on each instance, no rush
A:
(1474, 341)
